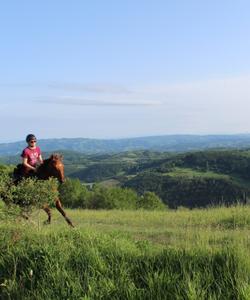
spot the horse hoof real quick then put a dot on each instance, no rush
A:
(69, 222)
(47, 222)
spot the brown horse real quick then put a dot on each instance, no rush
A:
(51, 167)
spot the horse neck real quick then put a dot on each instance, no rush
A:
(43, 171)
(46, 170)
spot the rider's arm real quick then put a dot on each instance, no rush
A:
(25, 163)
(40, 158)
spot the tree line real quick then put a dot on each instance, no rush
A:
(30, 193)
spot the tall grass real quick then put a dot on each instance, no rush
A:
(199, 254)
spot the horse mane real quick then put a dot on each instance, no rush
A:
(53, 157)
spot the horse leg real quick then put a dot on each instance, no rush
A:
(60, 209)
(48, 212)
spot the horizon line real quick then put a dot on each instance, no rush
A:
(136, 137)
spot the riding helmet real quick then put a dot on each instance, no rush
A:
(30, 137)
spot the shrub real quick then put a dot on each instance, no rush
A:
(29, 193)
(32, 193)
(111, 198)
(73, 193)
(6, 187)
(150, 201)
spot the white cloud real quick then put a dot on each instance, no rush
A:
(73, 100)
(105, 88)
(208, 106)
(222, 93)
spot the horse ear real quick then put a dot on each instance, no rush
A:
(56, 156)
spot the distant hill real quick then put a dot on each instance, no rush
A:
(170, 143)
(191, 179)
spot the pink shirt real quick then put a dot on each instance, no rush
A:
(32, 155)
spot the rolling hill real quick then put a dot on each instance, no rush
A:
(170, 143)
(191, 179)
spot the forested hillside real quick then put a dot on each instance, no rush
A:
(193, 179)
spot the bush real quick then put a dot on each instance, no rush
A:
(112, 198)
(76, 195)
(29, 193)
(150, 201)
(6, 187)
(73, 194)
(32, 193)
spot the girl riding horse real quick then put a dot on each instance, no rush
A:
(51, 167)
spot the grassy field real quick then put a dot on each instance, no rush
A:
(183, 254)
(190, 173)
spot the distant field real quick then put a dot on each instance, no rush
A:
(183, 254)
(190, 173)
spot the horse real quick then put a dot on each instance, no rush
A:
(51, 167)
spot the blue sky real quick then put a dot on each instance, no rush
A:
(108, 69)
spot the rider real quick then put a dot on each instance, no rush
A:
(31, 154)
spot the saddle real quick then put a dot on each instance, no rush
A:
(21, 172)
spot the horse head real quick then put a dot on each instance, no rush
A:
(52, 167)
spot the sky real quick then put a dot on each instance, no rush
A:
(114, 69)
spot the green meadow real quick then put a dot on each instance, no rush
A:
(115, 254)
